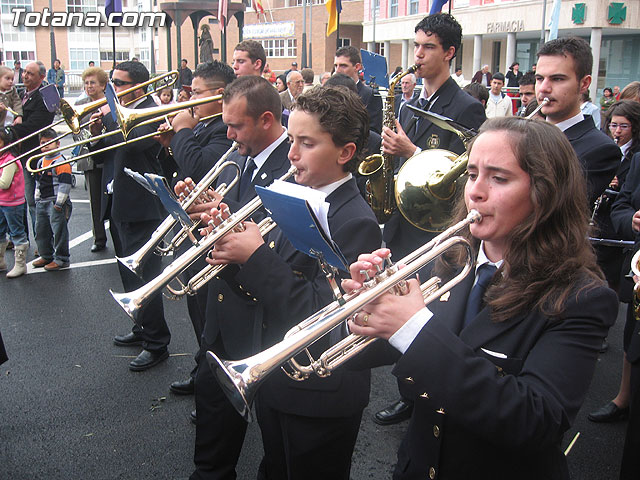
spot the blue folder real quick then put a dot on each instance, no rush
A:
(375, 68)
(300, 225)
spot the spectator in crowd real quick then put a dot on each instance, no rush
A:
(268, 74)
(55, 76)
(513, 75)
(407, 86)
(459, 77)
(527, 92)
(281, 83)
(249, 58)
(186, 75)
(483, 77)
(308, 76)
(478, 92)
(587, 107)
(295, 84)
(325, 76)
(616, 92)
(631, 92)
(607, 99)
(294, 68)
(10, 102)
(499, 104)
(17, 72)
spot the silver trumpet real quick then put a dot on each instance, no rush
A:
(240, 379)
(201, 278)
(135, 261)
(132, 302)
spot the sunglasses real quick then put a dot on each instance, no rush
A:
(121, 83)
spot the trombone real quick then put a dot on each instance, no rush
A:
(135, 261)
(72, 115)
(240, 379)
(132, 302)
(128, 119)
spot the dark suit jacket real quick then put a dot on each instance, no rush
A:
(598, 154)
(131, 202)
(451, 102)
(3, 352)
(628, 202)
(289, 286)
(35, 116)
(496, 398)
(194, 156)
(374, 106)
(238, 336)
(398, 102)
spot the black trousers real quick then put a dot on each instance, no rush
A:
(151, 325)
(94, 184)
(305, 448)
(220, 430)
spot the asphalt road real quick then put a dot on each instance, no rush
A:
(71, 409)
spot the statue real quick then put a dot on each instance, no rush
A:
(205, 44)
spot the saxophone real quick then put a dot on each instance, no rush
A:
(380, 192)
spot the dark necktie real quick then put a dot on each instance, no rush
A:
(247, 176)
(423, 104)
(197, 130)
(476, 295)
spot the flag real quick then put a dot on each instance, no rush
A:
(555, 20)
(223, 8)
(257, 6)
(113, 6)
(436, 6)
(334, 7)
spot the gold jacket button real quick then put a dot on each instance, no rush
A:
(272, 244)
(410, 380)
(432, 473)
(220, 297)
(425, 395)
(436, 431)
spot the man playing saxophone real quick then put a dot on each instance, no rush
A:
(437, 41)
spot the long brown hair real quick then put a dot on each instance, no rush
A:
(549, 253)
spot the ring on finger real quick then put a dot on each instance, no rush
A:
(365, 320)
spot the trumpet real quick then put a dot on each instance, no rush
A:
(132, 302)
(240, 379)
(201, 278)
(128, 119)
(635, 268)
(72, 115)
(135, 261)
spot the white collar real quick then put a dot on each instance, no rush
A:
(262, 157)
(332, 187)
(625, 148)
(570, 122)
(483, 259)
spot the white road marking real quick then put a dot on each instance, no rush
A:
(91, 263)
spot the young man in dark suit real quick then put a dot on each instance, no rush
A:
(437, 41)
(134, 213)
(348, 61)
(252, 111)
(563, 74)
(308, 428)
(196, 146)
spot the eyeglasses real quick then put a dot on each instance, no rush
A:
(622, 126)
(120, 83)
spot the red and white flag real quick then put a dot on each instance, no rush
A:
(223, 7)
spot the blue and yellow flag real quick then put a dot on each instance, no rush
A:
(334, 7)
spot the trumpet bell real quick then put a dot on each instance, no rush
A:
(235, 380)
(129, 304)
(421, 195)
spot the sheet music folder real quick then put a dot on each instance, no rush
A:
(159, 186)
(302, 227)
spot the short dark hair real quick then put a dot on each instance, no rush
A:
(255, 50)
(351, 52)
(498, 76)
(215, 71)
(514, 64)
(263, 97)
(445, 27)
(477, 91)
(184, 60)
(340, 113)
(307, 75)
(136, 70)
(342, 80)
(575, 47)
(49, 134)
(528, 78)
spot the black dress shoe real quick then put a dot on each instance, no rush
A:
(193, 417)
(148, 359)
(394, 413)
(185, 387)
(97, 248)
(609, 413)
(127, 340)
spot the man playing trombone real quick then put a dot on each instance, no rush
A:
(196, 143)
(134, 213)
